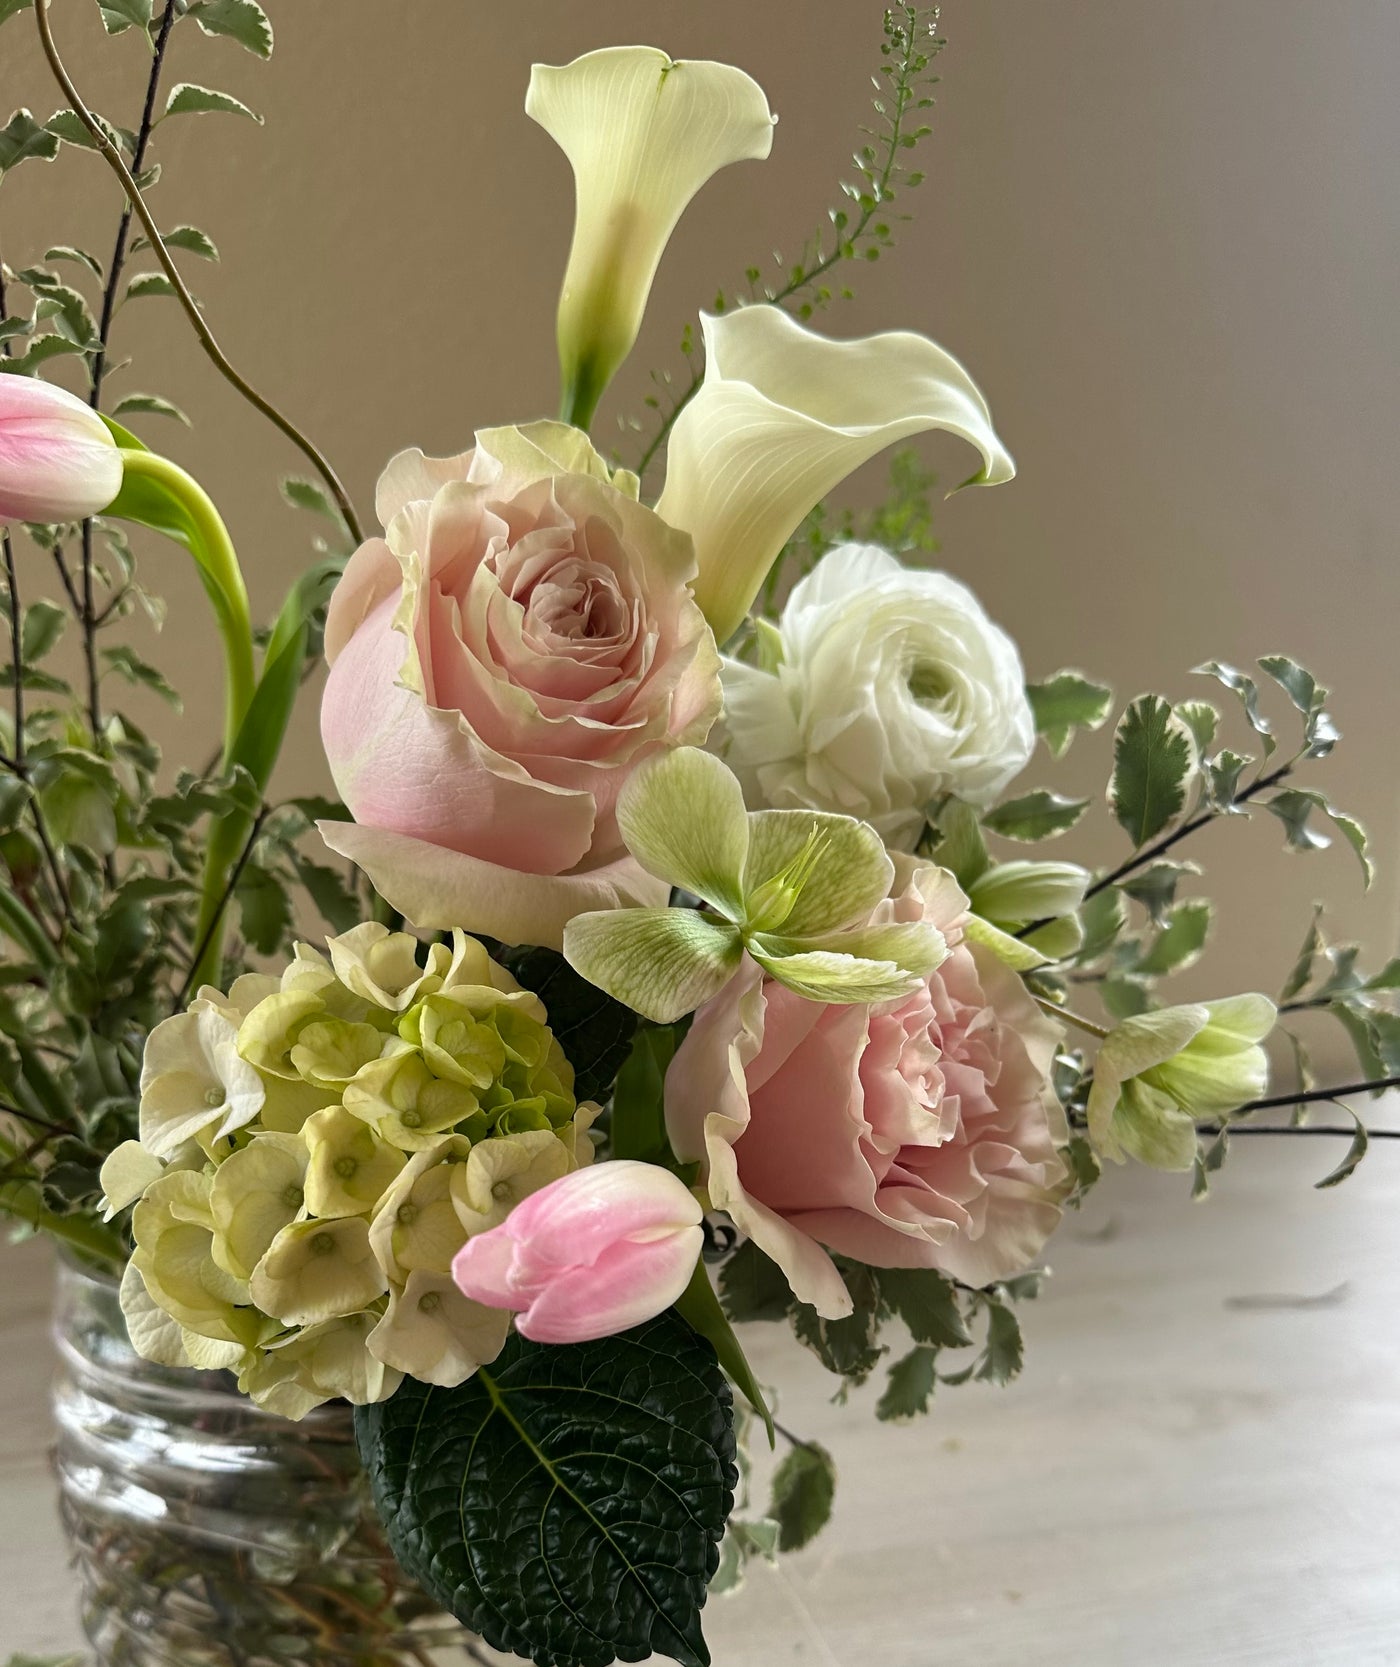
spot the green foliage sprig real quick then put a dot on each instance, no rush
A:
(860, 230)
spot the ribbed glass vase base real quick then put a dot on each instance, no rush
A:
(207, 1533)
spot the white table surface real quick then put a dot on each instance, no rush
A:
(1200, 1464)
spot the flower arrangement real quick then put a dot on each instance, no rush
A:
(682, 970)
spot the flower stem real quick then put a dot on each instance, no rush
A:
(207, 537)
(112, 156)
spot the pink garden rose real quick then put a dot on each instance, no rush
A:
(518, 642)
(920, 1133)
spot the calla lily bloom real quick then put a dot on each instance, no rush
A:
(782, 417)
(58, 460)
(643, 133)
(589, 1255)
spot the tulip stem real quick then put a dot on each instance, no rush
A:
(207, 536)
(1069, 1016)
(112, 156)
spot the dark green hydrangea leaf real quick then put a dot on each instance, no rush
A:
(594, 1030)
(804, 1487)
(568, 1503)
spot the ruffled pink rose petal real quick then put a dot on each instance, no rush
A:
(921, 1133)
(517, 643)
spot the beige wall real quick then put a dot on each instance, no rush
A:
(1165, 236)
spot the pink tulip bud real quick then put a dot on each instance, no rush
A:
(58, 460)
(591, 1254)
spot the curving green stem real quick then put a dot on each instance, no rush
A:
(159, 494)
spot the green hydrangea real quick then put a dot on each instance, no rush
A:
(315, 1150)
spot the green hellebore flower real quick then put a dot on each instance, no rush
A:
(1157, 1073)
(1009, 896)
(794, 889)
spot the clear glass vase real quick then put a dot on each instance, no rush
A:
(207, 1533)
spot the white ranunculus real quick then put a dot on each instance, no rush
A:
(894, 687)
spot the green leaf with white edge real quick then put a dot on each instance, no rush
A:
(1013, 952)
(1104, 918)
(9, 9)
(909, 1386)
(804, 1490)
(927, 1302)
(663, 963)
(1222, 778)
(1293, 805)
(241, 20)
(1064, 703)
(829, 976)
(78, 257)
(1181, 940)
(120, 15)
(753, 1286)
(1356, 1151)
(567, 1502)
(189, 99)
(68, 126)
(1152, 755)
(146, 284)
(1155, 886)
(189, 238)
(1003, 1352)
(69, 310)
(265, 909)
(962, 849)
(306, 494)
(1302, 971)
(14, 326)
(148, 405)
(1299, 685)
(849, 871)
(682, 817)
(44, 624)
(40, 350)
(1209, 1161)
(129, 664)
(1202, 719)
(1246, 690)
(23, 140)
(1034, 816)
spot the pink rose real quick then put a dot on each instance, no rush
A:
(518, 642)
(920, 1133)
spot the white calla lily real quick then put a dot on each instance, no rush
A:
(642, 133)
(782, 417)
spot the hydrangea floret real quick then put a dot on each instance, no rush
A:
(317, 1148)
